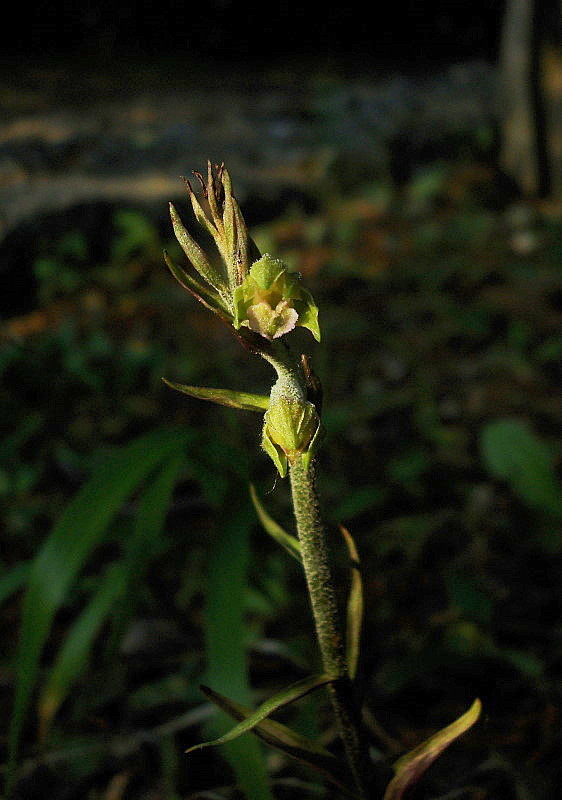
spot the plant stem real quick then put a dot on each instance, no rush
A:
(320, 582)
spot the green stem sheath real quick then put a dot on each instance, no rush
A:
(320, 582)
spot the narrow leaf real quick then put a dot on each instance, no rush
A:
(283, 698)
(354, 606)
(73, 656)
(290, 742)
(226, 635)
(82, 526)
(195, 254)
(411, 766)
(224, 397)
(150, 520)
(286, 540)
(118, 580)
(13, 580)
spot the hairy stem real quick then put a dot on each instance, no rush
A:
(320, 582)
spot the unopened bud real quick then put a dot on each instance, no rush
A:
(290, 427)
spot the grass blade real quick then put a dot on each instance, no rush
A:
(75, 652)
(354, 606)
(13, 580)
(82, 526)
(286, 540)
(226, 636)
(282, 698)
(118, 580)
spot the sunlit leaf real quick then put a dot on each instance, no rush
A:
(290, 742)
(354, 606)
(411, 766)
(286, 540)
(224, 397)
(82, 526)
(282, 698)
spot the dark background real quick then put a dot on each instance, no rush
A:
(240, 33)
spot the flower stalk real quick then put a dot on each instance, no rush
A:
(320, 581)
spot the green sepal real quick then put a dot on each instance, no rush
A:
(267, 270)
(314, 445)
(289, 742)
(282, 698)
(196, 256)
(276, 454)
(410, 767)
(354, 606)
(224, 397)
(286, 540)
(206, 296)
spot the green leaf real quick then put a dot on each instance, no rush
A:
(73, 656)
(224, 397)
(117, 581)
(411, 766)
(290, 742)
(150, 520)
(226, 634)
(512, 452)
(283, 698)
(13, 580)
(286, 540)
(82, 526)
(354, 606)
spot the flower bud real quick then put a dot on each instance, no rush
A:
(290, 427)
(272, 301)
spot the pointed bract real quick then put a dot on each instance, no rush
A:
(286, 540)
(354, 606)
(410, 767)
(196, 256)
(223, 397)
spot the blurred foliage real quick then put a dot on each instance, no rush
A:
(441, 306)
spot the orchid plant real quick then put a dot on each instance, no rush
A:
(263, 301)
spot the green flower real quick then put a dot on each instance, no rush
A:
(290, 429)
(272, 301)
